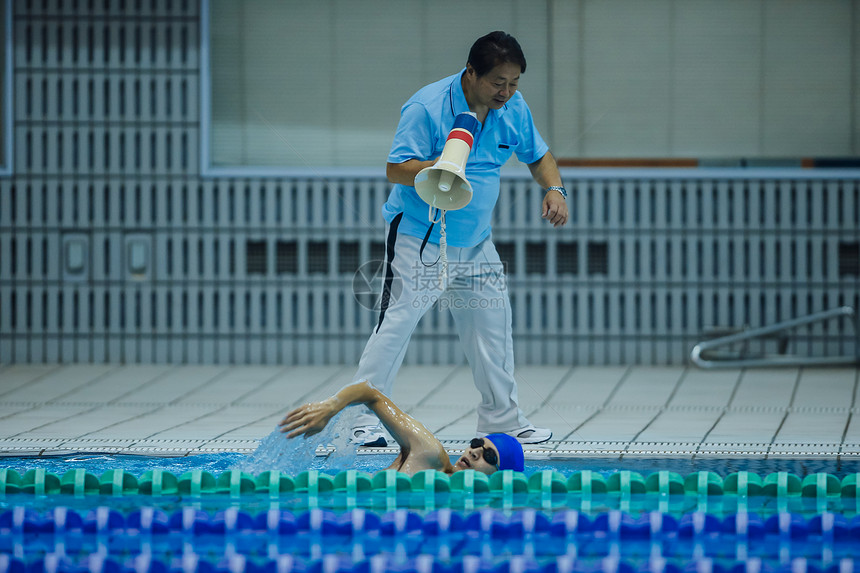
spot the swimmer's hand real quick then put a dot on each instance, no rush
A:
(309, 419)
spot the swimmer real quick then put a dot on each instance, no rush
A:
(419, 448)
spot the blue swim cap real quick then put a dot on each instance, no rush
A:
(510, 452)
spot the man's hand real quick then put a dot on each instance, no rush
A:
(309, 419)
(554, 208)
(545, 173)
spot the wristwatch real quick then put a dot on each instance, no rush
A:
(561, 190)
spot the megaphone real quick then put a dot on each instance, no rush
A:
(444, 185)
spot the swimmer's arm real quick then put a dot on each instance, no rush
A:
(409, 433)
(311, 418)
(398, 461)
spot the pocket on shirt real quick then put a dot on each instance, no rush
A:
(504, 150)
(498, 152)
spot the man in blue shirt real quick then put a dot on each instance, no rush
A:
(474, 288)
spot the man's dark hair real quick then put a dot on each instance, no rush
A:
(494, 49)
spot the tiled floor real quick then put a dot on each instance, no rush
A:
(633, 411)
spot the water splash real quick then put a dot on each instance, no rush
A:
(329, 451)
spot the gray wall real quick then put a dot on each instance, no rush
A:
(321, 83)
(114, 248)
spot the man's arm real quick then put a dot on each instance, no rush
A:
(404, 173)
(311, 418)
(545, 172)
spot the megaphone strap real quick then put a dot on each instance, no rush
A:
(424, 244)
(443, 244)
(443, 247)
(437, 217)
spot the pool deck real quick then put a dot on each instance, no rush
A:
(654, 412)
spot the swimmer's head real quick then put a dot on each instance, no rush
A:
(491, 453)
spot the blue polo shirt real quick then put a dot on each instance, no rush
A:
(425, 121)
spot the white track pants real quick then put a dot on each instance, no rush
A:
(476, 294)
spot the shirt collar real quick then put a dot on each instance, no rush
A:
(458, 98)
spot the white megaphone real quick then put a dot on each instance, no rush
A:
(444, 185)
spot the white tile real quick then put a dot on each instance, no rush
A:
(459, 389)
(746, 426)
(96, 420)
(589, 386)
(57, 383)
(9, 411)
(680, 426)
(706, 388)
(414, 383)
(217, 423)
(14, 376)
(852, 434)
(766, 388)
(825, 388)
(31, 422)
(562, 420)
(175, 384)
(459, 429)
(256, 431)
(153, 424)
(442, 418)
(116, 384)
(646, 387)
(616, 425)
(295, 386)
(536, 385)
(828, 427)
(167, 410)
(233, 385)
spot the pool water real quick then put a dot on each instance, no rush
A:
(220, 462)
(207, 538)
(589, 515)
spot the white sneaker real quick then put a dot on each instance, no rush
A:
(369, 436)
(528, 435)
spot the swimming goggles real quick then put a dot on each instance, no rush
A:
(489, 454)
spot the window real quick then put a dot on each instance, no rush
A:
(567, 258)
(535, 258)
(849, 259)
(317, 257)
(598, 258)
(255, 257)
(287, 257)
(348, 259)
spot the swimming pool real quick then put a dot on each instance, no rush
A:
(294, 507)
(202, 513)
(192, 539)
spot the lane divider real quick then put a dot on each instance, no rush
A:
(437, 488)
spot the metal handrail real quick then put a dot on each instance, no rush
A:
(704, 358)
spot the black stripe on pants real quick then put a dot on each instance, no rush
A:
(389, 268)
